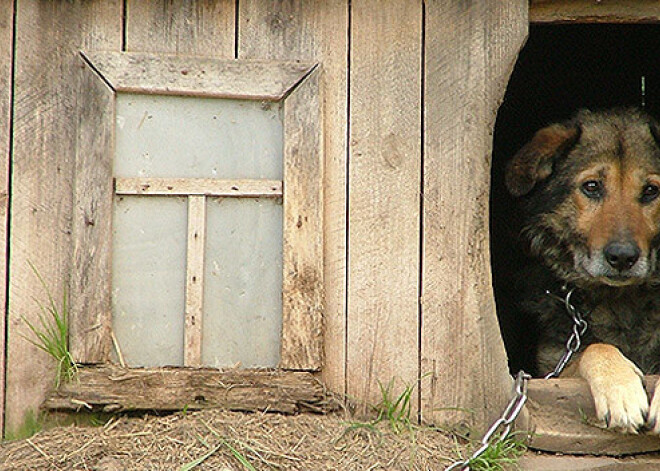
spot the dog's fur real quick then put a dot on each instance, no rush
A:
(590, 189)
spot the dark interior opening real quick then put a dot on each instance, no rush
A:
(561, 69)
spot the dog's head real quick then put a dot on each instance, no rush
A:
(591, 187)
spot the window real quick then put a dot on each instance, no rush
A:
(197, 228)
(196, 177)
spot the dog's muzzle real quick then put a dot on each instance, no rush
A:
(617, 264)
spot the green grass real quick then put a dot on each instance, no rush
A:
(395, 409)
(500, 455)
(51, 333)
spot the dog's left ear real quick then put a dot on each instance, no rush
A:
(534, 161)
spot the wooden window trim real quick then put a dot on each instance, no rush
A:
(296, 85)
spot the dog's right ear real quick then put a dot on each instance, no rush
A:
(534, 161)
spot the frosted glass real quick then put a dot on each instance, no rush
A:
(148, 278)
(178, 137)
(243, 283)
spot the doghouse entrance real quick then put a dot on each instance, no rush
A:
(561, 69)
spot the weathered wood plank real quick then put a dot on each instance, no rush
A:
(590, 11)
(315, 31)
(202, 27)
(48, 37)
(384, 195)
(563, 419)
(113, 389)
(470, 51)
(197, 76)
(198, 186)
(6, 86)
(192, 350)
(302, 281)
(90, 305)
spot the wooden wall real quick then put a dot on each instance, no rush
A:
(410, 94)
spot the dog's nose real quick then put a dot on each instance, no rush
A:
(621, 255)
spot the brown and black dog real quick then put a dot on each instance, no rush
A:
(590, 188)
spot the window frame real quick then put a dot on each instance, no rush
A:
(104, 74)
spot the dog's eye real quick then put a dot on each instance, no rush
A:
(649, 193)
(592, 189)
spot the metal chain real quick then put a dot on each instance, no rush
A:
(512, 410)
(574, 341)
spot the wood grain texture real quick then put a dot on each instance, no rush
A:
(470, 52)
(196, 76)
(302, 264)
(6, 59)
(115, 389)
(384, 196)
(558, 410)
(199, 27)
(590, 11)
(48, 38)
(192, 347)
(198, 186)
(315, 31)
(90, 286)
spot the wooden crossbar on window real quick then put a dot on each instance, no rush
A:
(198, 186)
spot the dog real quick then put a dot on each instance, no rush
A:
(590, 191)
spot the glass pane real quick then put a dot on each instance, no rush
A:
(148, 278)
(243, 283)
(175, 136)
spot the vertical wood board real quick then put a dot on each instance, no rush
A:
(6, 85)
(90, 291)
(192, 350)
(302, 281)
(202, 27)
(48, 38)
(470, 50)
(317, 31)
(384, 200)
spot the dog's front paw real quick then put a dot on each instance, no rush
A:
(621, 403)
(616, 386)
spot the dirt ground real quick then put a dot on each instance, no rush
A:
(218, 440)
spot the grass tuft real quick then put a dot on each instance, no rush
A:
(500, 455)
(395, 410)
(51, 333)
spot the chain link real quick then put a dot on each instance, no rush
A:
(512, 410)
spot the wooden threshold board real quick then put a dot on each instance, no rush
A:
(112, 388)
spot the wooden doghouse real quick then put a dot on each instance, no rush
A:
(387, 113)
